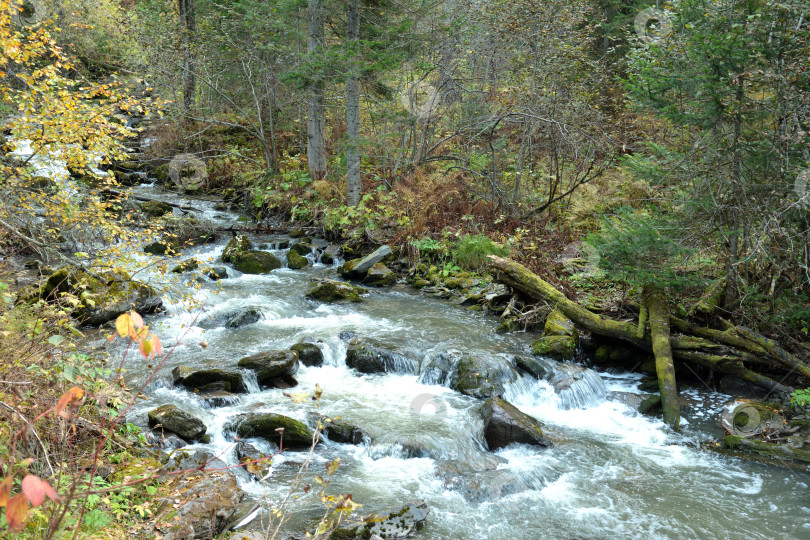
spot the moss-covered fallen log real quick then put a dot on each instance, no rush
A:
(721, 351)
(658, 316)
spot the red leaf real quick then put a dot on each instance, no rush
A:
(50, 492)
(157, 345)
(5, 490)
(72, 397)
(33, 490)
(16, 512)
(137, 321)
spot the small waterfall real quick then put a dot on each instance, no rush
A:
(578, 387)
(251, 382)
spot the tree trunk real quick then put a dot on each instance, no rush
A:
(188, 29)
(316, 138)
(353, 107)
(658, 314)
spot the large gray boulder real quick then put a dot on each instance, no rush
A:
(173, 419)
(504, 424)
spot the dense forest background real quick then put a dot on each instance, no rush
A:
(677, 134)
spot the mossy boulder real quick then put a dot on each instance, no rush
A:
(237, 245)
(369, 357)
(309, 354)
(556, 347)
(173, 419)
(346, 269)
(264, 425)
(155, 209)
(330, 254)
(102, 298)
(557, 324)
(296, 261)
(328, 290)
(505, 424)
(162, 248)
(483, 377)
(186, 266)
(273, 368)
(380, 275)
(345, 432)
(209, 379)
(301, 248)
(41, 183)
(650, 404)
(255, 262)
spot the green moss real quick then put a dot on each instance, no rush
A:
(237, 245)
(557, 347)
(255, 262)
(347, 268)
(265, 425)
(301, 248)
(296, 261)
(336, 291)
(155, 209)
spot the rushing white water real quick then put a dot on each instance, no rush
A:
(611, 473)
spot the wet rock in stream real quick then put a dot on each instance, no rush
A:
(209, 380)
(265, 425)
(367, 356)
(394, 523)
(309, 354)
(175, 420)
(505, 424)
(273, 368)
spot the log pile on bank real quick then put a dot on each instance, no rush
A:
(735, 350)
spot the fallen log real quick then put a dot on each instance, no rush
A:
(722, 357)
(658, 316)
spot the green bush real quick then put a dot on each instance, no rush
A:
(471, 251)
